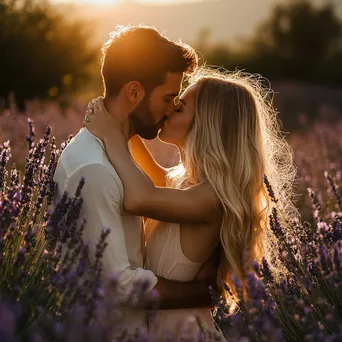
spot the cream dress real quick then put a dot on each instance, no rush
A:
(165, 258)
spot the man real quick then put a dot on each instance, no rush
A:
(142, 74)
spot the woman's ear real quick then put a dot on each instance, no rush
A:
(135, 92)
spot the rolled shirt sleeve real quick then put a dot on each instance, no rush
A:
(102, 208)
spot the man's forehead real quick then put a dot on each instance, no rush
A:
(173, 82)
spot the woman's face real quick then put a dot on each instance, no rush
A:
(176, 127)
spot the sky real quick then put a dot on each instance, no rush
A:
(231, 21)
(112, 2)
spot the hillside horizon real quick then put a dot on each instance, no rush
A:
(228, 21)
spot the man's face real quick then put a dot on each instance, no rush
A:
(151, 113)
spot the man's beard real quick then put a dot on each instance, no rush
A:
(142, 122)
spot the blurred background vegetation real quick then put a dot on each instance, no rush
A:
(43, 54)
(48, 52)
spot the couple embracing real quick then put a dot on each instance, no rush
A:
(191, 226)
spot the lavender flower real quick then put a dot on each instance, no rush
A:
(270, 190)
(30, 138)
(51, 290)
(334, 189)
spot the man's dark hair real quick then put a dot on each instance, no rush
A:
(141, 53)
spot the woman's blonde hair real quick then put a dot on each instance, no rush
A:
(234, 140)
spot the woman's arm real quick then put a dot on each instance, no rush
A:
(194, 205)
(141, 197)
(146, 162)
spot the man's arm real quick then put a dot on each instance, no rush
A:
(102, 205)
(182, 295)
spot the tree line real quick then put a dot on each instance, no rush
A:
(44, 55)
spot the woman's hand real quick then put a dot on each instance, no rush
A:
(197, 204)
(100, 122)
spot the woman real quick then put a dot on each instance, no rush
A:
(228, 138)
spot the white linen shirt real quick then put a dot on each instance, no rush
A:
(102, 195)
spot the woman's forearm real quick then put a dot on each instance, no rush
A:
(137, 185)
(146, 162)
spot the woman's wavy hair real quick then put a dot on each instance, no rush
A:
(234, 140)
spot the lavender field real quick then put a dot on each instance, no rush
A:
(51, 279)
(45, 295)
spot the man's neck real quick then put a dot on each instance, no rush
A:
(115, 108)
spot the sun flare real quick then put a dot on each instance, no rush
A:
(115, 2)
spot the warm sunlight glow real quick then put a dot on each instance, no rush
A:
(114, 2)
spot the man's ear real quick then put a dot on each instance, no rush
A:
(135, 92)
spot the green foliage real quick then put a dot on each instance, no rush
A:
(42, 53)
(303, 40)
(298, 41)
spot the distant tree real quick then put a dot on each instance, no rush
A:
(202, 39)
(42, 54)
(300, 39)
